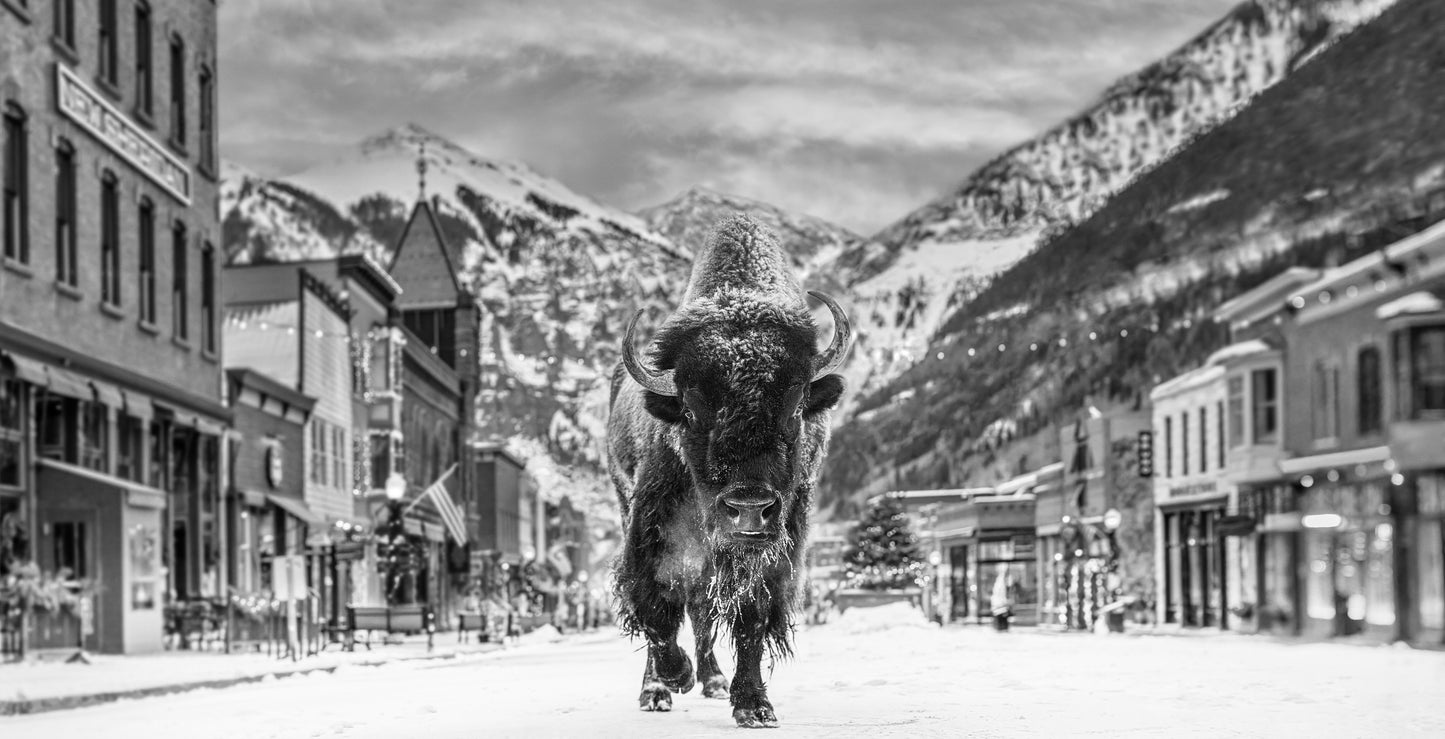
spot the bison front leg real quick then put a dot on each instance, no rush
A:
(709, 675)
(751, 708)
(668, 669)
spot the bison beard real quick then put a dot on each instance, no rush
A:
(714, 451)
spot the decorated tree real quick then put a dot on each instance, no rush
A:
(882, 550)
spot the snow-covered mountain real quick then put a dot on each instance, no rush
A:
(557, 273)
(1337, 160)
(812, 242)
(907, 278)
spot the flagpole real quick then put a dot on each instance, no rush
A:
(439, 480)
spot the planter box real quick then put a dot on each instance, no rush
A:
(845, 599)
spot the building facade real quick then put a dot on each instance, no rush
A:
(111, 395)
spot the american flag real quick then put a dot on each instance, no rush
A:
(451, 515)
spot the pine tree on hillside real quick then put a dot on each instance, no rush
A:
(882, 550)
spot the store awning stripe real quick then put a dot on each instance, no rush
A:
(138, 405)
(107, 394)
(67, 383)
(28, 370)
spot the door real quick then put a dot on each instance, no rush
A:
(958, 583)
(67, 552)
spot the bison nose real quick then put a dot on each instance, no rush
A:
(749, 512)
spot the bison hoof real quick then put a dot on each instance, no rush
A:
(761, 717)
(715, 687)
(655, 697)
(683, 681)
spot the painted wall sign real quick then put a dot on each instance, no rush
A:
(275, 465)
(83, 105)
(1198, 488)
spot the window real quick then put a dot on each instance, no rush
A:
(1326, 399)
(1427, 371)
(1184, 443)
(65, 21)
(17, 187)
(146, 290)
(1168, 447)
(1368, 392)
(436, 329)
(1264, 405)
(70, 552)
(317, 468)
(179, 292)
(1203, 439)
(130, 448)
(66, 270)
(55, 428)
(338, 452)
(109, 239)
(178, 90)
(1236, 411)
(109, 54)
(144, 83)
(207, 130)
(12, 434)
(380, 460)
(1219, 421)
(93, 441)
(208, 298)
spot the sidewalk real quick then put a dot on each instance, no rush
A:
(38, 686)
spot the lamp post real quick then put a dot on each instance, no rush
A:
(395, 532)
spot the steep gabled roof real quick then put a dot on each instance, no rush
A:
(423, 264)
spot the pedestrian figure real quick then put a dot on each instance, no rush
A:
(1000, 603)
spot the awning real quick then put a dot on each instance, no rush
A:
(180, 417)
(28, 370)
(138, 406)
(434, 532)
(1236, 525)
(209, 427)
(107, 394)
(67, 383)
(413, 527)
(1347, 458)
(296, 508)
(253, 498)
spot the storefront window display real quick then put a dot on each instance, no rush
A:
(1430, 555)
(1350, 551)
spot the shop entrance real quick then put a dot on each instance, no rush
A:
(67, 551)
(958, 583)
(1351, 580)
(1194, 568)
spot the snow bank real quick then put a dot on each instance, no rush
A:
(544, 634)
(878, 619)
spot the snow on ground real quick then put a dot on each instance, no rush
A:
(880, 672)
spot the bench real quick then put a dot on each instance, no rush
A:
(405, 619)
(468, 621)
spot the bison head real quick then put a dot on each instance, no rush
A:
(739, 381)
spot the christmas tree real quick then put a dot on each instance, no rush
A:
(882, 550)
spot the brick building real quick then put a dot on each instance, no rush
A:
(111, 395)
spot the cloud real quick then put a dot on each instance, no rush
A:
(601, 94)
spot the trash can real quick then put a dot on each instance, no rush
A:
(1115, 620)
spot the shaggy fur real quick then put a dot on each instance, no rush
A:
(742, 348)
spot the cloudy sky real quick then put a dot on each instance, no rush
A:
(856, 111)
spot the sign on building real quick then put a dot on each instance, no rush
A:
(1145, 450)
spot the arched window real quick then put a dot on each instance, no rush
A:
(65, 257)
(109, 238)
(15, 198)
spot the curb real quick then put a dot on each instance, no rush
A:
(66, 702)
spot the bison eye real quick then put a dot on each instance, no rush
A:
(689, 417)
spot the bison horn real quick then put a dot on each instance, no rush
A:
(832, 358)
(662, 383)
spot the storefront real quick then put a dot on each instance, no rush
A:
(1348, 557)
(1194, 574)
(1426, 531)
(985, 540)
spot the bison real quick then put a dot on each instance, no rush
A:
(714, 450)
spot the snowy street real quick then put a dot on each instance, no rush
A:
(876, 672)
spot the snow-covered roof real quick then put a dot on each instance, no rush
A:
(1026, 481)
(1194, 378)
(1419, 248)
(1266, 297)
(1238, 351)
(1413, 304)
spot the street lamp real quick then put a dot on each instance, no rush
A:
(395, 531)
